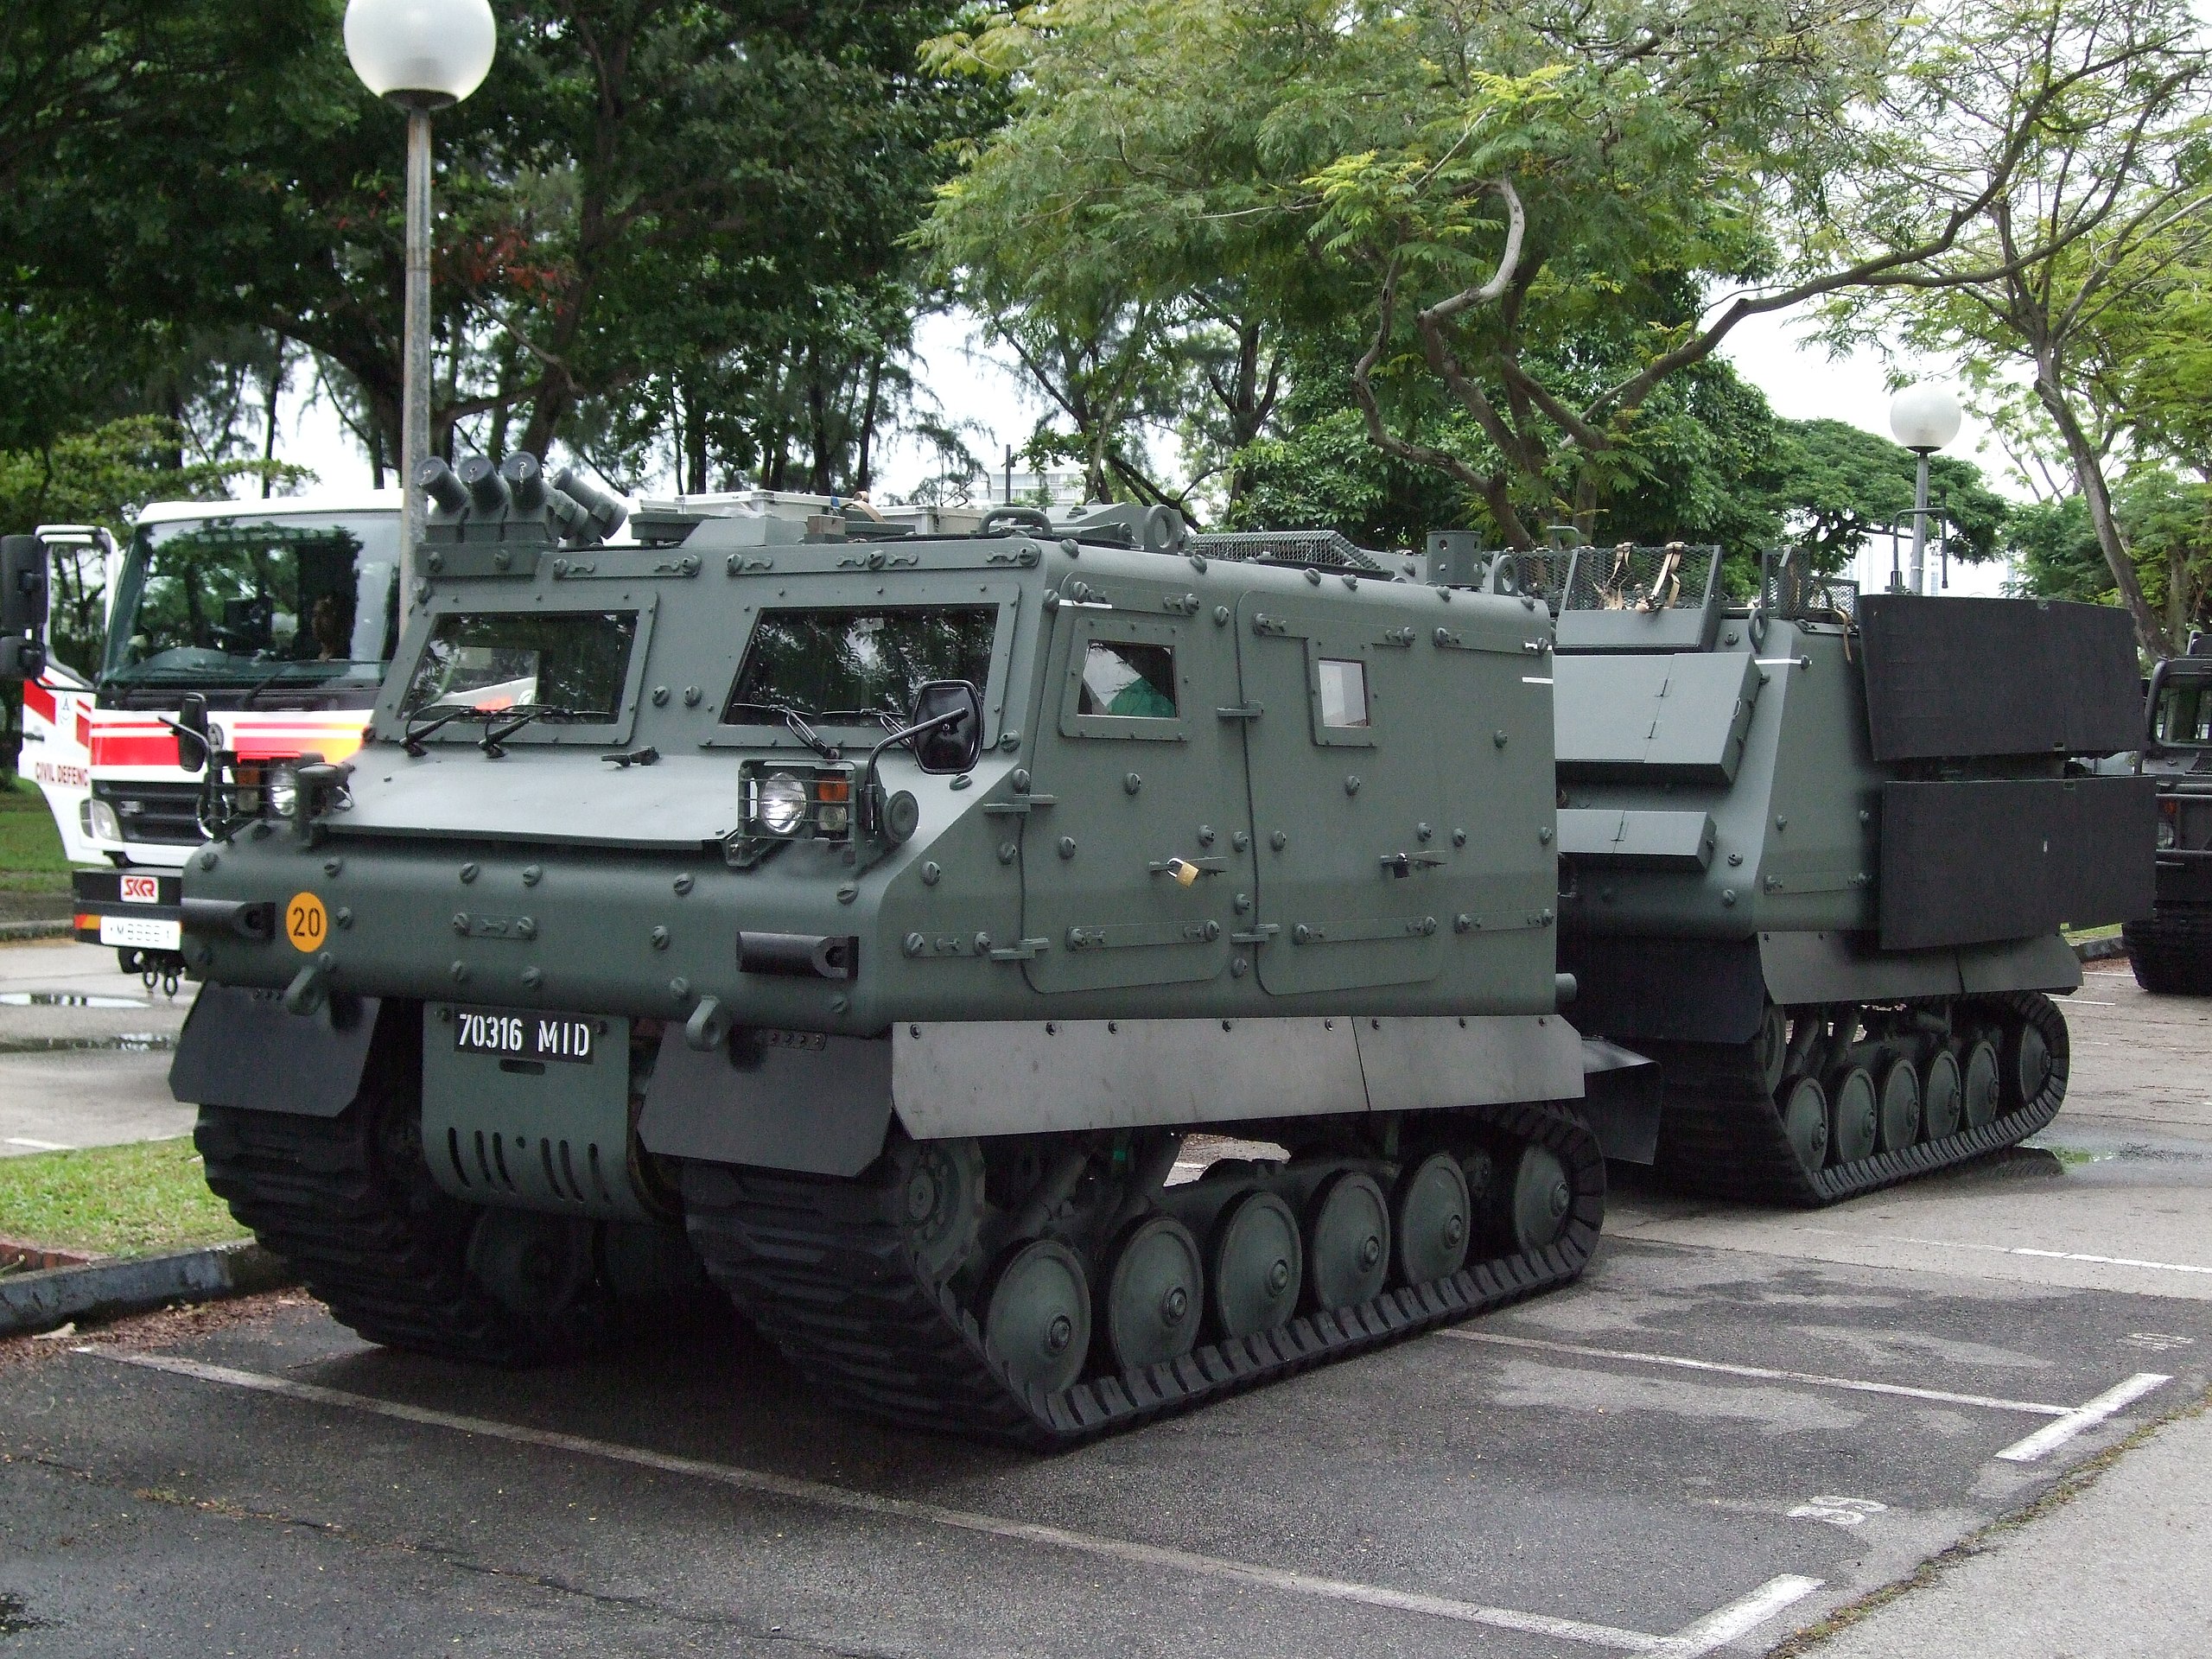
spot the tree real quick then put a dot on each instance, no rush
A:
(644, 201)
(2103, 102)
(1836, 486)
(1543, 213)
(2166, 521)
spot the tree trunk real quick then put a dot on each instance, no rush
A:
(2090, 474)
(275, 386)
(695, 441)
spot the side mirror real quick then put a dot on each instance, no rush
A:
(22, 607)
(956, 746)
(194, 742)
(23, 584)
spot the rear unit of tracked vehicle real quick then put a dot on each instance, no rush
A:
(1816, 852)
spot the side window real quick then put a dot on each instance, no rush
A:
(1123, 680)
(1343, 692)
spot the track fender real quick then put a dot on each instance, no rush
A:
(240, 1048)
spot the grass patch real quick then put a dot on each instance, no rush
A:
(2083, 935)
(31, 859)
(125, 1200)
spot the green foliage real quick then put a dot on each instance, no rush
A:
(2167, 522)
(659, 223)
(1836, 486)
(1502, 222)
(2068, 300)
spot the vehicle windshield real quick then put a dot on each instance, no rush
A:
(284, 601)
(857, 663)
(568, 665)
(2182, 713)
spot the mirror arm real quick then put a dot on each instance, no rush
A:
(905, 735)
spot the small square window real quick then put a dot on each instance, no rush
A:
(1124, 681)
(1343, 692)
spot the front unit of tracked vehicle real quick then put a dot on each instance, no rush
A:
(882, 912)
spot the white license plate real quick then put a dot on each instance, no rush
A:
(142, 932)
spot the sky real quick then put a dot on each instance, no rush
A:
(985, 394)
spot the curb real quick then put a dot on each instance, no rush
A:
(2101, 949)
(16, 933)
(39, 1301)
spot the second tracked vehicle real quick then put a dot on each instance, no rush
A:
(1816, 852)
(873, 919)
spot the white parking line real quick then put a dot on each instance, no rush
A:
(2072, 1419)
(2052, 1435)
(1701, 1636)
(1723, 1626)
(39, 1146)
(2008, 1249)
(1855, 1385)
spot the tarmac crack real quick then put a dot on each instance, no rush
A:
(446, 1555)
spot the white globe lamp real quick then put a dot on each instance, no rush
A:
(435, 52)
(1924, 418)
(422, 55)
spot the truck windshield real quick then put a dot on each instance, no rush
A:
(2182, 713)
(280, 600)
(857, 662)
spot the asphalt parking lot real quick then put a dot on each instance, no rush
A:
(1736, 1423)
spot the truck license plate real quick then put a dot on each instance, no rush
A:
(142, 932)
(518, 1034)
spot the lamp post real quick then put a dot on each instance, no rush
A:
(422, 55)
(1924, 418)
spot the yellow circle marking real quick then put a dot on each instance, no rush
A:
(307, 924)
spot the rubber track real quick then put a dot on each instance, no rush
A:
(2170, 949)
(823, 1272)
(1721, 1133)
(386, 1260)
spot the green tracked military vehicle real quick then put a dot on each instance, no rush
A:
(875, 917)
(1816, 854)
(2171, 949)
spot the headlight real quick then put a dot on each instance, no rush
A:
(2166, 836)
(282, 787)
(98, 820)
(780, 806)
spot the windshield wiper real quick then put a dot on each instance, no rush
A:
(413, 741)
(494, 742)
(795, 723)
(336, 665)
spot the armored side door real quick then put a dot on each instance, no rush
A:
(1353, 860)
(1134, 841)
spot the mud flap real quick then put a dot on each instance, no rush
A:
(1620, 1101)
(242, 1049)
(774, 1100)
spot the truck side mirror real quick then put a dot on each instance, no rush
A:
(23, 584)
(22, 607)
(194, 746)
(956, 746)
